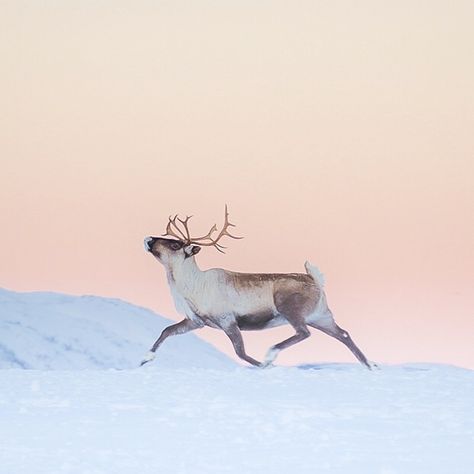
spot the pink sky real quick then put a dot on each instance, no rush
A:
(337, 132)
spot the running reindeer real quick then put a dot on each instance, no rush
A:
(233, 301)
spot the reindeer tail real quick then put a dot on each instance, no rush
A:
(314, 272)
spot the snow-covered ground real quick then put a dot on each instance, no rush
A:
(221, 418)
(330, 418)
(54, 331)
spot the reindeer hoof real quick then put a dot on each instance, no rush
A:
(270, 357)
(148, 357)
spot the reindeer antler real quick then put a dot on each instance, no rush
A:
(222, 233)
(205, 240)
(180, 235)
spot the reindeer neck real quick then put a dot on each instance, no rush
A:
(184, 274)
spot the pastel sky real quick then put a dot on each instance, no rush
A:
(337, 131)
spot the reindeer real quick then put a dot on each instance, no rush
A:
(235, 302)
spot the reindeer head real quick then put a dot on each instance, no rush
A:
(182, 246)
(170, 251)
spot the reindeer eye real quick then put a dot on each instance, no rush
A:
(175, 246)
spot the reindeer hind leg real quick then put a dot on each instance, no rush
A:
(302, 332)
(329, 327)
(294, 307)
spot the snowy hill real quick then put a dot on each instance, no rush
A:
(54, 331)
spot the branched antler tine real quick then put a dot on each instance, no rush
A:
(234, 237)
(172, 223)
(224, 231)
(207, 236)
(228, 224)
(183, 237)
(208, 241)
(171, 232)
(219, 247)
(185, 224)
(231, 236)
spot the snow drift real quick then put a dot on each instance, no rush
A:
(55, 331)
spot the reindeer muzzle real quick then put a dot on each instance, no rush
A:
(148, 242)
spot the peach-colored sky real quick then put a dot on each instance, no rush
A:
(339, 132)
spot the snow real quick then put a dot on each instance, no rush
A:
(217, 417)
(51, 331)
(328, 418)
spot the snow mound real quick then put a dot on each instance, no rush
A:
(50, 331)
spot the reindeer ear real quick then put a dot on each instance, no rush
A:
(191, 250)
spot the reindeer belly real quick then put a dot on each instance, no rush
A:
(261, 320)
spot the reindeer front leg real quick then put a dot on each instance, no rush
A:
(182, 327)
